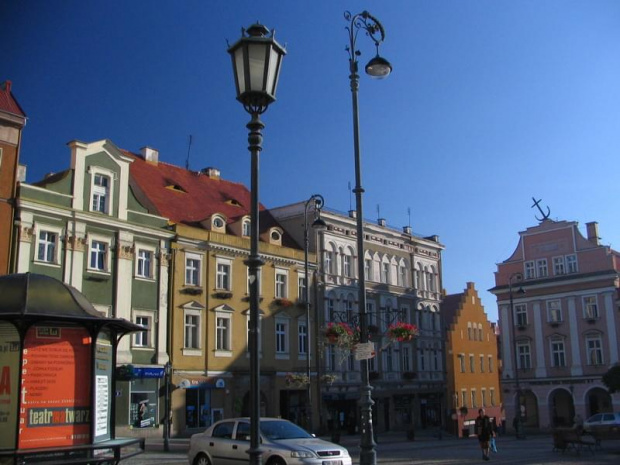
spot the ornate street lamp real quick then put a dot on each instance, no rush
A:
(380, 68)
(256, 59)
(318, 225)
(520, 434)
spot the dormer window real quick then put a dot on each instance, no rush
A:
(245, 229)
(101, 193)
(218, 223)
(275, 236)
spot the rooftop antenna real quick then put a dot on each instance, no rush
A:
(378, 212)
(189, 148)
(409, 214)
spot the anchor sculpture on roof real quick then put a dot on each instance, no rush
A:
(545, 216)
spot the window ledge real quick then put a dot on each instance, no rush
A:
(223, 353)
(192, 352)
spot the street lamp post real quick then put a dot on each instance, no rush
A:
(256, 59)
(167, 373)
(318, 224)
(377, 67)
(518, 421)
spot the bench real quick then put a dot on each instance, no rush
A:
(572, 438)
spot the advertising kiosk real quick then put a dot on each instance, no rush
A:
(57, 359)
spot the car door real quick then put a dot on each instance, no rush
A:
(220, 444)
(239, 453)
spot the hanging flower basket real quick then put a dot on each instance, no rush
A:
(296, 379)
(328, 379)
(402, 332)
(282, 302)
(340, 334)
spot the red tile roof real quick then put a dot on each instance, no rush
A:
(190, 197)
(8, 103)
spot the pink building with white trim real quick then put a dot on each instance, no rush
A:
(563, 324)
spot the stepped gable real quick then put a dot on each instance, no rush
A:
(190, 197)
(8, 103)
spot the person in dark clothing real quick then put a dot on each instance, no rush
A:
(484, 431)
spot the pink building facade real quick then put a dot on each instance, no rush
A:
(558, 299)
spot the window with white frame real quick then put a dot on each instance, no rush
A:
(483, 397)
(385, 272)
(558, 355)
(492, 396)
(571, 263)
(472, 364)
(590, 307)
(469, 329)
(346, 265)
(541, 268)
(246, 228)
(462, 362)
(302, 337)
(524, 355)
(48, 245)
(223, 274)
(329, 262)
(594, 348)
(330, 306)
(388, 359)
(554, 311)
(223, 333)
(281, 284)
(463, 398)
(430, 280)
(406, 358)
(490, 364)
(301, 288)
(100, 190)
(530, 270)
(143, 338)
(558, 266)
(521, 314)
(403, 276)
(368, 269)
(474, 403)
(192, 329)
(144, 262)
(282, 333)
(193, 269)
(99, 254)
(482, 364)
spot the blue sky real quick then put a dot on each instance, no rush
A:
(491, 103)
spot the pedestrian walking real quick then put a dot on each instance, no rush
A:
(484, 431)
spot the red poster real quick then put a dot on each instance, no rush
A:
(56, 391)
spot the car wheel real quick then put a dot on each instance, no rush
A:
(276, 461)
(202, 459)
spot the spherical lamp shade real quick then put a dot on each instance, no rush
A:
(256, 59)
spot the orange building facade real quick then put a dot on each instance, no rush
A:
(12, 121)
(471, 362)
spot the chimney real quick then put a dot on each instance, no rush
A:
(352, 214)
(381, 222)
(592, 229)
(149, 154)
(7, 86)
(212, 173)
(407, 230)
(21, 173)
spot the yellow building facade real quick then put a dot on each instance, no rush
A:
(471, 361)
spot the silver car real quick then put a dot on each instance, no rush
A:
(282, 442)
(602, 420)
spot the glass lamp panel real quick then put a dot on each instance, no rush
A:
(256, 55)
(239, 69)
(272, 77)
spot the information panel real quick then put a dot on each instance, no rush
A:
(56, 386)
(9, 377)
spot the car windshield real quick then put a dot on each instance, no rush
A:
(275, 430)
